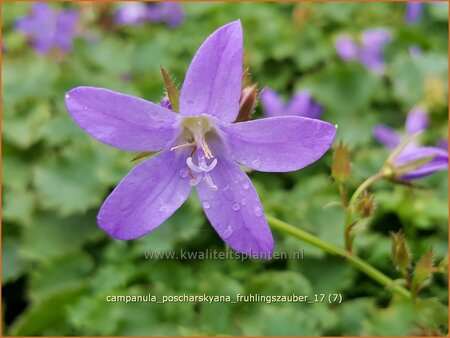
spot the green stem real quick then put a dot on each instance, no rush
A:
(366, 268)
(348, 223)
(364, 186)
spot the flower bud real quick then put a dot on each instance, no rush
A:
(365, 205)
(247, 103)
(340, 169)
(401, 255)
(423, 271)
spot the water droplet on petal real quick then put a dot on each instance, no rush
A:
(258, 211)
(85, 107)
(246, 186)
(243, 201)
(236, 207)
(183, 173)
(256, 164)
(228, 232)
(67, 96)
(206, 205)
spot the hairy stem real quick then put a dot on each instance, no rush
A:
(363, 266)
(364, 186)
(349, 209)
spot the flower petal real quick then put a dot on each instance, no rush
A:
(438, 163)
(235, 211)
(413, 11)
(346, 48)
(371, 52)
(146, 197)
(388, 137)
(65, 29)
(302, 104)
(417, 121)
(213, 81)
(271, 102)
(279, 144)
(120, 120)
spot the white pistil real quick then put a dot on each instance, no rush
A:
(202, 169)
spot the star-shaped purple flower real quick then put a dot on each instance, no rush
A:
(48, 28)
(136, 13)
(416, 122)
(301, 104)
(369, 51)
(199, 147)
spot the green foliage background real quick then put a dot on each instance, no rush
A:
(58, 266)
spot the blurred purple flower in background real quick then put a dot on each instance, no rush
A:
(169, 12)
(132, 13)
(416, 122)
(48, 28)
(200, 146)
(413, 11)
(301, 104)
(347, 48)
(136, 13)
(369, 51)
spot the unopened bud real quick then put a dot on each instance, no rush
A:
(401, 255)
(340, 169)
(423, 271)
(365, 205)
(247, 103)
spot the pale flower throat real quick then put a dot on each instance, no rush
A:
(194, 134)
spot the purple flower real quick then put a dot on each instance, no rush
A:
(48, 28)
(413, 11)
(301, 104)
(199, 147)
(369, 52)
(135, 13)
(132, 13)
(168, 12)
(443, 144)
(347, 48)
(416, 122)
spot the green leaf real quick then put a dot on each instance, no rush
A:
(64, 273)
(29, 77)
(68, 183)
(24, 129)
(50, 236)
(13, 265)
(19, 206)
(47, 317)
